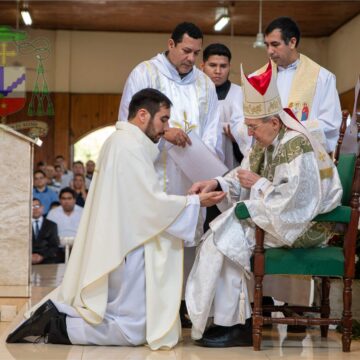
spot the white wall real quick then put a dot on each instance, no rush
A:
(344, 54)
(27, 56)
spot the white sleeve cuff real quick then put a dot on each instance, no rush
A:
(192, 200)
(223, 184)
(259, 188)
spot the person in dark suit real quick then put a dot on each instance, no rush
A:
(45, 240)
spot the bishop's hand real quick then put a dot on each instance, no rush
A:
(247, 178)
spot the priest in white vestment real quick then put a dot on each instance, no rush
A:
(305, 87)
(286, 180)
(123, 281)
(195, 104)
(195, 108)
(236, 142)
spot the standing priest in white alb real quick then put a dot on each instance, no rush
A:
(310, 92)
(285, 181)
(123, 282)
(235, 140)
(195, 105)
(304, 86)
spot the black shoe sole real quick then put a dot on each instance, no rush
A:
(296, 329)
(218, 344)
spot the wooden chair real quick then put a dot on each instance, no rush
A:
(320, 262)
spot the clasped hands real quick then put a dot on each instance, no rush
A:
(246, 178)
(206, 192)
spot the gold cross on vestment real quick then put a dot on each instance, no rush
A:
(322, 156)
(4, 53)
(187, 124)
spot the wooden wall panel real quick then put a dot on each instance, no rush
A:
(77, 115)
(316, 17)
(62, 126)
(110, 108)
(90, 112)
(347, 100)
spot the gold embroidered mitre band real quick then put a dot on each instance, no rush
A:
(261, 96)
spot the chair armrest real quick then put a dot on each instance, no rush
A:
(340, 214)
(241, 211)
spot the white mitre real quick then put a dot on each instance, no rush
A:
(261, 96)
(261, 99)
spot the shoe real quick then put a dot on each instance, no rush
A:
(267, 300)
(57, 331)
(296, 329)
(214, 331)
(184, 316)
(227, 336)
(36, 325)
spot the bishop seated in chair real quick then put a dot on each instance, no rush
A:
(285, 181)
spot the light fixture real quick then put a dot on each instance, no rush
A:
(26, 17)
(222, 22)
(259, 42)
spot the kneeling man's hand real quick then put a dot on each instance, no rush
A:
(177, 137)
(203, 187)
(211, 198)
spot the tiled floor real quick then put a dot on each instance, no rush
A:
(276, 342)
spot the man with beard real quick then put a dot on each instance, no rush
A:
(127, 258)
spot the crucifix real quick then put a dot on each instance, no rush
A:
(5, 53)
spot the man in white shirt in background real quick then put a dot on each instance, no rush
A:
(235, 141)
(67, 216)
